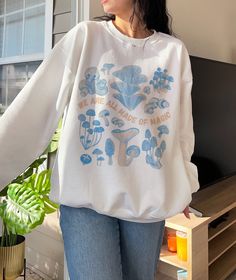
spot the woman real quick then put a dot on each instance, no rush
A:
(123, 163)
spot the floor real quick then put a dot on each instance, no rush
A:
(30, 275)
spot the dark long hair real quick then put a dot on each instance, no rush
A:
(153, 14)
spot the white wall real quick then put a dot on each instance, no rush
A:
(208, 28)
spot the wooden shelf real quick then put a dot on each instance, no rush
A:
(180, 222)
(222, 243)
(211, 251)
(224, 265)
(172, 258)
(216, 199)
(231, 219)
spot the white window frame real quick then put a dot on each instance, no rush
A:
(48, 30)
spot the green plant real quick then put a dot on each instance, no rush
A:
(25, 201)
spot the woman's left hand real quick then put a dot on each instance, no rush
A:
(186, 212)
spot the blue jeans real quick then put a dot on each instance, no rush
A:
(100, 247)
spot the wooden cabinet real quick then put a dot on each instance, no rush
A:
(211, 239)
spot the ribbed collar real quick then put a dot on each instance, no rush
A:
(135, 42)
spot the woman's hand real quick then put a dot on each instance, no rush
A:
(186, 212)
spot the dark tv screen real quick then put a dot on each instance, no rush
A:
(214, 116)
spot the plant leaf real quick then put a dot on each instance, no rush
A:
(49, 206)
(24, 210)
(40, 182)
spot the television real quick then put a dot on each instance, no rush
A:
(214, 117)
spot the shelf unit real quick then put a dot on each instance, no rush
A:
(211, 251)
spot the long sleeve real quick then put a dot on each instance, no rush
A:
(187, 136)
(28, 124)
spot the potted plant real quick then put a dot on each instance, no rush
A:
(23, 205)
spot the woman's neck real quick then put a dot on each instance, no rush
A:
(137, 30)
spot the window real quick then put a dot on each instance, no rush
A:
(22, 25)
(25, 38)
(13, 77)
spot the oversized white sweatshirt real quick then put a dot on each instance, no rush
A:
(127, 135)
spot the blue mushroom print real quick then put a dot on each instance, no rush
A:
(154, 103)
(132, 151)
(90, 130)
(92, 84)
(90, 113)
(118, 122)
(154, 152)
(97, 152)
(100, 160)
(104, 114)
(107, 67)
(131, 78)
(163, 129)
(161, 80)
(110, 150)
(126, 156)
(85, 159)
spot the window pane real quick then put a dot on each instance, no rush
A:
(13, 78)
(34, 30)
(29, 3)
(13, 34)
(16, 80)
(13, 5)
(1, 35)
(2, 4)
(32, 67)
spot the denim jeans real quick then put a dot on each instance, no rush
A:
(100, 247)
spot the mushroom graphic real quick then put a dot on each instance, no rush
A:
(86, 126)
(90, 113)
(104, 114)
(154, 103)
(132, 151)
(87, 86)
(148, 134)
(92, 84)
(154, 163)
(85, 159)
(109, 149)
(117, 121)
(92, 132)
(146, 146)
(150, 147)
(124, 136)
(161, 80)
(96, 122)
(97, 152)
(128, 86)
(100, 159)
(81, 118)
(163, 129)
(163, 104)
(98, 130)
(107, 67)
(159, 151)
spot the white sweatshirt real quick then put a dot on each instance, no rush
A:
(127, 136)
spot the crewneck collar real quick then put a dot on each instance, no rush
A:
(135, 42)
